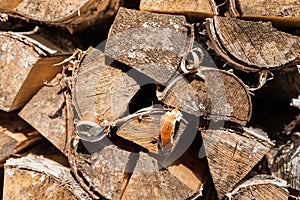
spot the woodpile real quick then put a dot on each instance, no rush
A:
(150, 99)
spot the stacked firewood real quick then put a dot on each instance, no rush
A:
(150, 99)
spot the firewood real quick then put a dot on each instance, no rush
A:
(283, 161)
(46, 112)
(16, 135)
(281, 13)
(39, 178)
(73, 15)
(252, 46)
(149, 42)
(148, 181)
(26, 64)
(192, 9)
(232, 154)
(260, 187)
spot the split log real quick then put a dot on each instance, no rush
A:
(261, 187)
(232, 154)
(192, 9)
(284, 161)
(285, 13)
(73, 15)
(149, 42)
(16, 135)
(39, 178)
(252, 46)
(46, 112)
(25, 64)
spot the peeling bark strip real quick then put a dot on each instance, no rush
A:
(260, 187)
(252, 46)
(193, 9)
(284, 13)
(46, 112)
(39, 178)
(73, 15)
(149, 42)
(231, 155)
(25, 65)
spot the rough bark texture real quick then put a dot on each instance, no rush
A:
(73, 15)
(283, 13)
(192, 9)
(260, 187)
(25, 65)
(46, 112)
(252, 46)
(39, 178)
(149, 42)
(232, 154)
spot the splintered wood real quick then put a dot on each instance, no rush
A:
(283, 13)
(194, 9)
(252, 46)
(73, 15)
(25, 65)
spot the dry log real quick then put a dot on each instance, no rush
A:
(283, 161)
(232, 154)
(46, 112)
(149, 42)
(283, 13)
(252, 46)
(16, 135)
(39, 178)
(73, 15)
(25, 64)
(217, 95)
(193, 9)
(103, 89)
(261, 187)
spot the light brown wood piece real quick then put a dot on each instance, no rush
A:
(148, 181)
(195, 9)
(25, 65)
(46, 112)
(231, 155)
(222, 96)
(103, 89)
(284, 13)
(73, 15)
(149, 42)
(283, 161)
(15, 134)
(104, 169)
(260, 187)
(252, 46)
(39, 178)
